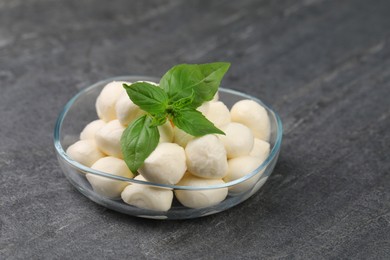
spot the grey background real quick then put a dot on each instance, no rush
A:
(323, 65)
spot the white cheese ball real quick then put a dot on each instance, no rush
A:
(260, 149)
(108, 138)
(238, 140)
(200, 198)
(218, 114)
(180, 137)
(106, 186)
(165, 165)
(239, 167)
(126, 110)
(90, 129)
(84, 152)
(147, 197)
(105, 102)
(254, 116)
(166, 132)
(206, 157)
(204, 108)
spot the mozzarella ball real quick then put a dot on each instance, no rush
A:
(180, 137)
(238, 168)
(108, 138)
(126, 110)
(106, 186)
(200, 198)
(166, 132)
(90, 129)
(206, 157)
(204, 108)
(166, 164)
(260, 149)
(84, 152)
(105, 102)
(147, 197)
(238, 140)
(254, 116)
(218, 114)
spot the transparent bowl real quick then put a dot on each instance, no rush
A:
(80, 110)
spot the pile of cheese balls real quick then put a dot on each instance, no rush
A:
(179, 159)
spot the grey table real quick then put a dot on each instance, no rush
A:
(323, 65)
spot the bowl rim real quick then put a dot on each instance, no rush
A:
(62, 153)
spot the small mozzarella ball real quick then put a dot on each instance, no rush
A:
(90, 129)
(218, 114)
(166, 132)
(260, 149)
(105, 102)
(200, 198)
(166, 164)
(126, 110)
(147, 197)
(238, 140)
(106, 186)
(84, 152)
(254, 116)
(108, 138)
(239, 167)
(206, 157)
(180, 137)
(204, 108)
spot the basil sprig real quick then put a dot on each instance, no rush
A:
(181, 90)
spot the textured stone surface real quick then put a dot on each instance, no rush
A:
(323, 65)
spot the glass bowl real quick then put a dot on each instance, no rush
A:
(80, 110)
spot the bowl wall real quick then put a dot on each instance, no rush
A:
(80, 110)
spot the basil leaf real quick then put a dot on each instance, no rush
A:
(194, 123)
(184, 102)
(203, 79)
(138, 141)
(148, 97)
(158, 119)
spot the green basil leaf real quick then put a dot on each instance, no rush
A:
(184, 102)
(203, 79)
(148, 97)
(138, 141)
(194, 123)
(158, 119)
